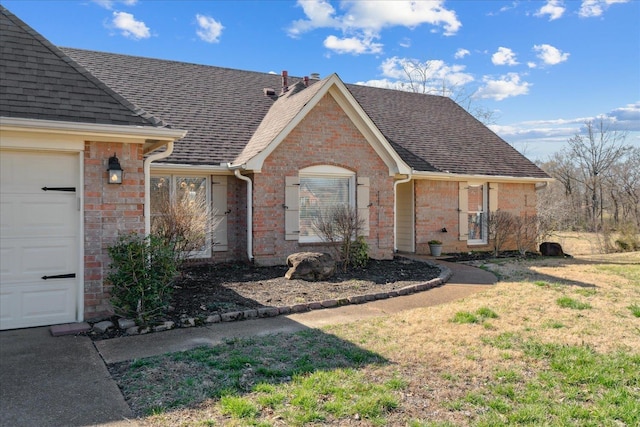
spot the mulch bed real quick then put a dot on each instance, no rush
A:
(209, 289)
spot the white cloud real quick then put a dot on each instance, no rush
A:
(129, 27)
(504, 56)
(405, 42)
(461, 53)
(424, 77)
(541, 138)
(352, 45)
(531, 64)
(108, 4)
(626, 118)
(549, 54)
(506, 86)
(554, 8)
(210, 29)
(364, 20)
(594, 8)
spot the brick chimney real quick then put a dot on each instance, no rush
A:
(285, 81)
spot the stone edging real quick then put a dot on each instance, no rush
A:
(232, 316)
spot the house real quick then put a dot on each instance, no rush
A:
(416, 167)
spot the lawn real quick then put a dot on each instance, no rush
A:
(555, 342)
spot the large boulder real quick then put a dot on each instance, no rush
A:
(310, 266)
(551, 249)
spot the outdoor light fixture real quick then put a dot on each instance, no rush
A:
(115, 170)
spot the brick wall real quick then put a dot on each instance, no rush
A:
(109, 210)
(325, 137)
(436, 205)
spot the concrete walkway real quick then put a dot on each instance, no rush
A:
(63, 381)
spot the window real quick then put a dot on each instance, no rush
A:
(314, 190)
(477, 214)
(475, 199)
(321, 189)
(184, 199)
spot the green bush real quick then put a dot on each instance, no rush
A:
(142, 271)
(359, 252)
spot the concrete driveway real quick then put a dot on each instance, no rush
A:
(55, 381)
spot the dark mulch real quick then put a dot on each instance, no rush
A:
(209, 289)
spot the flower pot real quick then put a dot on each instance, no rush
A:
(436, 250)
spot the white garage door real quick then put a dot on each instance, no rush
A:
(39, 238)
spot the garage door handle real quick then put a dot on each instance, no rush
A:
(60, 276)
(69, 189)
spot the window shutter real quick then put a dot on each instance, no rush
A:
(362, 195)
(292, 208)
(219, 213)
(493, 196)
(463, 207)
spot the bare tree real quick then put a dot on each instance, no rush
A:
(595, 151)
(421, 77)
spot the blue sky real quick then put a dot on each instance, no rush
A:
(542, 67)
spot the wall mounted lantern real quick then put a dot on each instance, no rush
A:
(114, 170)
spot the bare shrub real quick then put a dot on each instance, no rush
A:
(340, 227)
(526, 232)
(500, 225)
(184, 224)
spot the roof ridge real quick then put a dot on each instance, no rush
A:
(137, 111)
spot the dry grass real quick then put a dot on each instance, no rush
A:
(453, 370)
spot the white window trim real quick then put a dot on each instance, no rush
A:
(206, 253)
(327, 171)
(485, 200)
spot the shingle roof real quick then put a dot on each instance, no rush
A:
(277, 118)
(223, 109)
(38, 81)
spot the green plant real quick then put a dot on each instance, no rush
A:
(359, 252)
(142, 271)
(465, 317)
(567, 302)
(435, 242)
(635, 309)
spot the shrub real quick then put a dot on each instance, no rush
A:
(185, 223)
(340, 227)
(360, 252)
(142, 271)
(500, 226)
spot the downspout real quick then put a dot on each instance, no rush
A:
(147, 184)
(249, 212)
(395, 209)
(542, 185)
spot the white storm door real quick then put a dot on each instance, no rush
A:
(39, 238)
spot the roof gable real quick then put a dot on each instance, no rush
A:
(292, 107)
(40, 82)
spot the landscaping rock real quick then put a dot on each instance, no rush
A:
(104, 326)
(125, 324)
(268, 312)
(214, 318)
(311, 266)
(551, 249)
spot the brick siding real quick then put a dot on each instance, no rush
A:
(436, 205)
(325, 137)
(109, 211)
